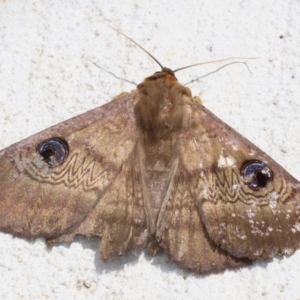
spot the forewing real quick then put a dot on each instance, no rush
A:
(119, 217)
(246, 222)
(182, 233)
(36, 200)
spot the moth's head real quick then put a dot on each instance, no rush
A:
(168, 71)
(165, 72)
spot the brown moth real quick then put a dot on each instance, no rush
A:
(152, 169)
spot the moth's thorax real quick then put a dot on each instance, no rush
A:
(160, 109)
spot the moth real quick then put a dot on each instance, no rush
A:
(152, 169)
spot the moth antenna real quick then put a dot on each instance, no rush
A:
(133, 41)
(215, 71)
(214, 61)
(119, 78)
(189, 66)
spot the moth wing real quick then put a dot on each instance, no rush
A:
(36, 200)
(245, 222)
(119, 217)
(183, 235)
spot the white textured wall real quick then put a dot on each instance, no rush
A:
(47, 76)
